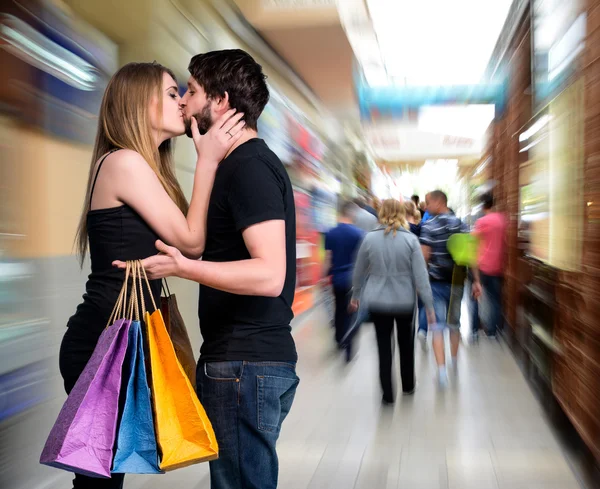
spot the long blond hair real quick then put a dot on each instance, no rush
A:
(392, 215)
(124, 123)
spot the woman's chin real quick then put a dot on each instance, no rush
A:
(179, 131)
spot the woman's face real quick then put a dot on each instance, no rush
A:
(170, 123)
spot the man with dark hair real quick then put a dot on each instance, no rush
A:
(491, 231)
(246, 376)
(226, 77)
(342, 243)
(434, 240)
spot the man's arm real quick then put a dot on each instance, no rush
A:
(476, 287)
(256, 200)
(426, 252)
(425, 239)
(262, 275)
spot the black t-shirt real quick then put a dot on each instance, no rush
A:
(251, 186)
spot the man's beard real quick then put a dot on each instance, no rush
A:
(204, 121)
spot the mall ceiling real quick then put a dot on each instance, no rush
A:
(313, 43)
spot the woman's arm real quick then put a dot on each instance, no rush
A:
(360, 270)
(137, 185)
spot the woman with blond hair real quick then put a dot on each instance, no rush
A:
(390, 271)
(133, 198)
(413, 216)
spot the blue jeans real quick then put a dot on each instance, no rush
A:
(246, 403)
(474, 311)
(492, 288)
(442, 295)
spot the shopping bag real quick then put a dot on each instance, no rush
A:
(178, 333)
(184, 433)
(136, 450)
(83, 436)
(463, 248)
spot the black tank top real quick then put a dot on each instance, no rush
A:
(116, 233)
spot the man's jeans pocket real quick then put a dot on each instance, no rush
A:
(275, 398)
(223, 371)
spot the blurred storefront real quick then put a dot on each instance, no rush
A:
(541, 154)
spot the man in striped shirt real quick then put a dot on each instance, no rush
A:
(443, 275)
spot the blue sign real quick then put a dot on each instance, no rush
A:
(395, 100)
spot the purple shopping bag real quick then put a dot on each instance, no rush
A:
(83, 437)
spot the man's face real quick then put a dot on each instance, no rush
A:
(196, 104)
(434, 206)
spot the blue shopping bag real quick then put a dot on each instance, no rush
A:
(136, 450)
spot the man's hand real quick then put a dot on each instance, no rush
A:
(354, 305)
(168, 263)
(476, 290)
(431, 319)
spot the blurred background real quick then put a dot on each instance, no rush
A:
(369, 98)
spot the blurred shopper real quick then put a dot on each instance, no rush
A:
(413, 217)
(422, 319)
(363, 219)
(491, 231)
(414, 222)
(369, 205)
(247, 277)
(474, 297)
(426, 215)
(342, 244)
(133, 198)
(434, 240)
(416, 199)
(391, 266)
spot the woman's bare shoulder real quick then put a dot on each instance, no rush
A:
(126, 161)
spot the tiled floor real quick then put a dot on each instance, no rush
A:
(485, 431)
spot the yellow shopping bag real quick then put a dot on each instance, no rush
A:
(184, 433)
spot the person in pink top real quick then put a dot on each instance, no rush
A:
(491, 231)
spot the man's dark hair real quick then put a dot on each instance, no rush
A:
(439, 195)
(347, 208)
(233, 71)
(415, 199)
(488, 201)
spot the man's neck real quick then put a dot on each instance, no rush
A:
(344, 220)
(487, 211)
(247, 135)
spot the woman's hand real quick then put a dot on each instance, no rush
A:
(354, 305)
(168, 263)
(214, 145)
